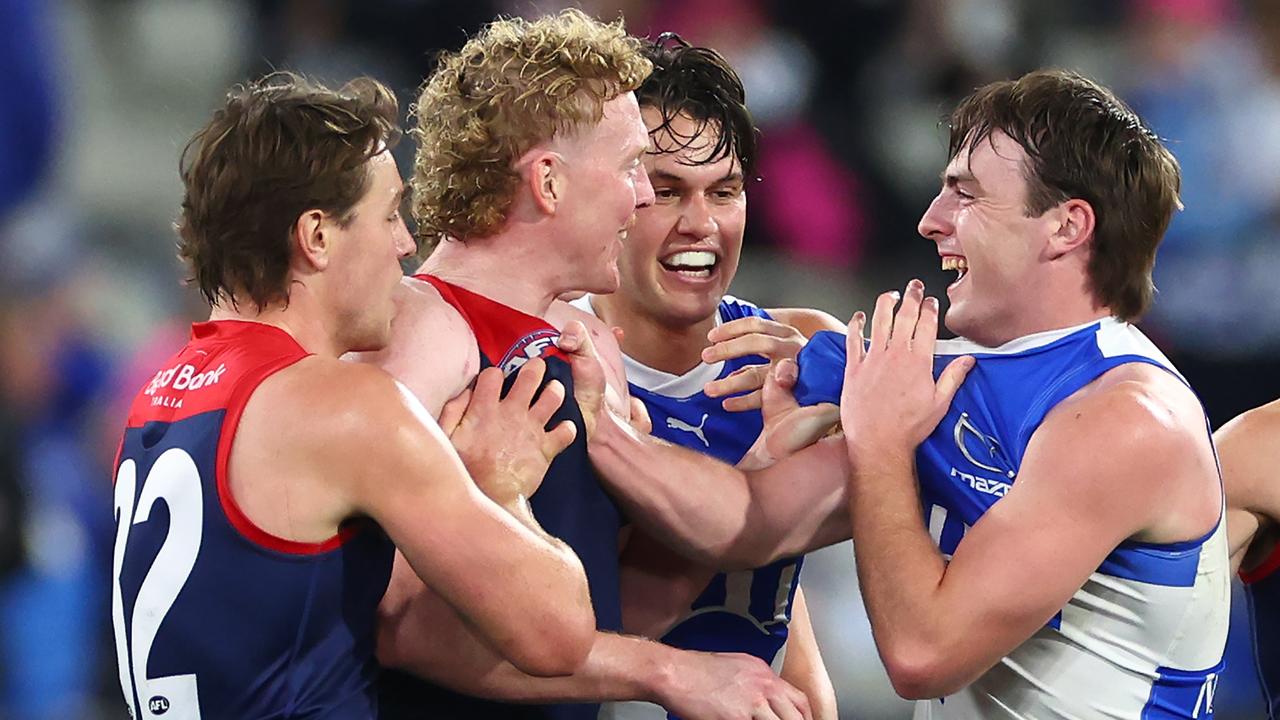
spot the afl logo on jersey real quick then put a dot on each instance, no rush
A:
(535, 344)
(158, 705)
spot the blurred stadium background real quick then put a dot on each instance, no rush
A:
(99, 97)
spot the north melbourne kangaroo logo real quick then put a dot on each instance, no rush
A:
(964, 430)
(678, 424)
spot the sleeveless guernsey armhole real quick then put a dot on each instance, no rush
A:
(235, 516)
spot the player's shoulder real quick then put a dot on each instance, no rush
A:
(324, 389)
(561, 313)
(1141, 413)
(432, 349)
(1249, 447)
(1259, 427)
(1140, 396)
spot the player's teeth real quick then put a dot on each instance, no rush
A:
(691, 259)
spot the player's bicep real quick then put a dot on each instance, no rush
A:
(1068, 509)
(458, 541)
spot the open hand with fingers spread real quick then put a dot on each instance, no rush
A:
(504, 441)
(890, 402)
(741, 338)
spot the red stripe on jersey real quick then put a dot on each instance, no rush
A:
(221, 366)
(502, 332)
(1268, 566)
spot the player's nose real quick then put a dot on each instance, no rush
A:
(644, 189)
(936, 224)
(696, 218)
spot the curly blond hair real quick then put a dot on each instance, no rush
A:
(516, 84)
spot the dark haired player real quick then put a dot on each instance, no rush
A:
(1050, 542)
(682, 333)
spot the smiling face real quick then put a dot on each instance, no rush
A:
(605, 185)
(683, 251)
(980, 225)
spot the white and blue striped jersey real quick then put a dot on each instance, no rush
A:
(1144, 637)
(744, 611)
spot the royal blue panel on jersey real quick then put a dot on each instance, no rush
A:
(1179, 694)
(744, 611)
(571, 504)
(971, 459)
(821, 375)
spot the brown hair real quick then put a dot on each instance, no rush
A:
(280, 146)
(516, 84)
(1083, 142)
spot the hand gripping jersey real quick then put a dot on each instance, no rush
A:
(1144, 636)
(214, 618)
(745, 611)
(570, 504)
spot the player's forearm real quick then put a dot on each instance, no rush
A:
(618, 668)
(694, 503)
(899, 573)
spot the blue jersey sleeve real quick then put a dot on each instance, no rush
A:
(821, 364)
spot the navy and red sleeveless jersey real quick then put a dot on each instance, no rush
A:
(215, 618)
(570, 504)
(1262, 596)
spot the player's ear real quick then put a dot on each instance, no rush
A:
(1073, 223)
(312, 237)
(543, 175)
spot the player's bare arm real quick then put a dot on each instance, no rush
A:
(803, 666)
(708, 686)
(939, 625)
(730, 518)
(658, 585)
(369, 448)
(1249, 451)
(432, 350)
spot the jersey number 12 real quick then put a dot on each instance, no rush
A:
(174, 479)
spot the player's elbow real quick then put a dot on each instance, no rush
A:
(919, 671)
(555, 647)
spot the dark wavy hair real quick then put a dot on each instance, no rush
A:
(278, 147)
(700, 83)
(1084, 142)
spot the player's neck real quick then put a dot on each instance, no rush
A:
(299, 318)
(500, 268)
(671, 349)
(1054, 317)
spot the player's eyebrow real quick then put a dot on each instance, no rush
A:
(666, 176)
(951, 177)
